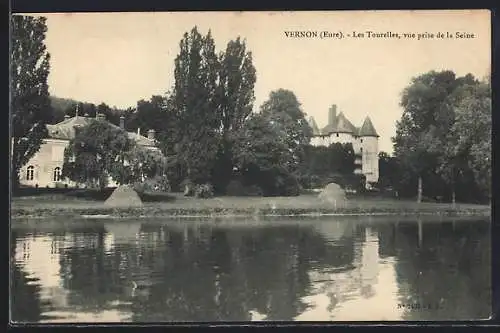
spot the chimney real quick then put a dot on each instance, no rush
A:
(151, 134)
(122, 122)
(332, 116)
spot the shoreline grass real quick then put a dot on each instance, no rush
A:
(178, 206)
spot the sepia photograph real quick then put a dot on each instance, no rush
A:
(280, 166)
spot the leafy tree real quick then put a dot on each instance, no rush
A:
(148, 115)
(472, 134)
(259, 145)
(194, 98)
(428, 115)
(95, 153)
(286, 116)
(30, 103)
(388, 170)
(139, 164)
(260, 152)
(324, 161)
(235, 97)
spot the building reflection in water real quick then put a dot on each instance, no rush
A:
(40, 256)
(323, 270)
(368, 291)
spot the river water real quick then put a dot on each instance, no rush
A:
(335, 269)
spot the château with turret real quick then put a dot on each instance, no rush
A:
(364, 141)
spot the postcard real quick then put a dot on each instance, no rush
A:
(298, 166)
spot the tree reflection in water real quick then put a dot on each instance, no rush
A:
(204, 272)
(448, 275)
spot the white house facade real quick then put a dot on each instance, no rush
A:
(44, 169)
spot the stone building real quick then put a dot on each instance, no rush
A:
(364, 140)
(44, 169)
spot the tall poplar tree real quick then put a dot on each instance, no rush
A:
(235, 95)
(30, 103)
(194, 99)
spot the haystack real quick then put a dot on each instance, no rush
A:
(123, 196)
(333, 194)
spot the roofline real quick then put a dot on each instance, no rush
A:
(152, 142)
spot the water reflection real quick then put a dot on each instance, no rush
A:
(304, 270)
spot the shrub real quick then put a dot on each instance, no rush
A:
(235, 188)
(253, 191)
(279, 182)
(204, 191)
(291, 186)
(155, 184)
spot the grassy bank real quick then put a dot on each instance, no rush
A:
(175, 205)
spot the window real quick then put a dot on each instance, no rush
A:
(57, 174)
(361, 140)
(361, 150)
(337, 135)
(30, 173)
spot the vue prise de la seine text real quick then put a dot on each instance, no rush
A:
(328, 34)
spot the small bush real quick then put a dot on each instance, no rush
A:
(204, 191)
(253, 191)
(155, 184)
(278, 181)
(236, 188)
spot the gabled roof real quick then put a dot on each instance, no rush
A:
(368, 129)
(65, 130)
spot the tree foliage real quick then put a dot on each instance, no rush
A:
(287, 118)
(30, 104)
(97, 152)
(140, 163)
(235, 97)
(438, 111)
(194, 99)
(472, 134)
(259, 145)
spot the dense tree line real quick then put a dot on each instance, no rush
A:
(442, 146)
(206, 127)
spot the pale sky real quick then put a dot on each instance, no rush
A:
(119, 58)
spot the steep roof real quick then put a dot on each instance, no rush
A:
(367, 129)
(344, 125)
(314, 126)
(341, 125)
(65, 130)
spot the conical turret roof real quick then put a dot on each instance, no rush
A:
(314, 126)
(368, 129)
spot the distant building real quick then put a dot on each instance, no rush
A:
(44, 169)
(364, 140)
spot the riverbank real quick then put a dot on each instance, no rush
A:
(178, 206)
